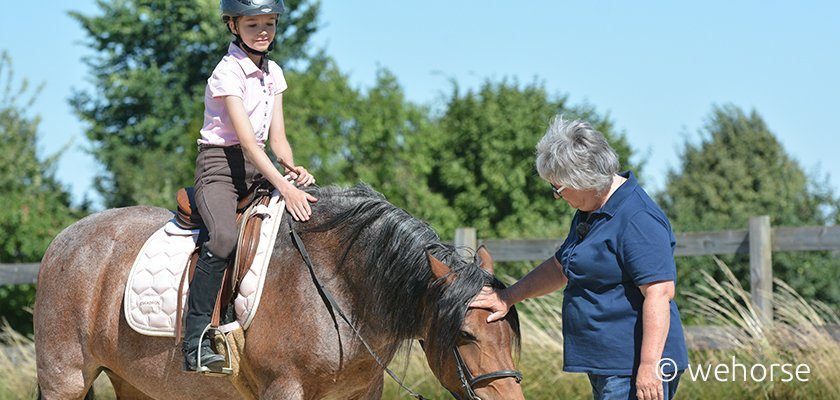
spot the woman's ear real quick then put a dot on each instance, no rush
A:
(232, 26)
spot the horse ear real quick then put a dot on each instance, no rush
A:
(439, 269)
(486, 259)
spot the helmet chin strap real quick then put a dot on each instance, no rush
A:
(239, 42)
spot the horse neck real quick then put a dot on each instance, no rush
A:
(384, 272)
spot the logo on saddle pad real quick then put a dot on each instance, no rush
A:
(151, 293)
(149, 305)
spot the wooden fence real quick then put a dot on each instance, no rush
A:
(759, 240)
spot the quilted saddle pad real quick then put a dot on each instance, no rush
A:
(151, 293)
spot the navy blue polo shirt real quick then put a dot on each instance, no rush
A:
(629, 243)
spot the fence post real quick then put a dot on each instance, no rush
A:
(761, 266)
(465, 241)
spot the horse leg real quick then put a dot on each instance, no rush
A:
(283, 390)
(124, 390)
(66, 383)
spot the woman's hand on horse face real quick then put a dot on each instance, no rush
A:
(494, 300)
(297, 202)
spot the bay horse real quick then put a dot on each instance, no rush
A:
(388, 270)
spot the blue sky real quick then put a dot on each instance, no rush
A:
(657, 68)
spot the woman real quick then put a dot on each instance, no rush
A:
(620, 324)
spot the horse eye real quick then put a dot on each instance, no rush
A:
(467, 336)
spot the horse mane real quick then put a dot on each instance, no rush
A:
(400, 289)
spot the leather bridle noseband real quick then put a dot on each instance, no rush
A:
(468, 381)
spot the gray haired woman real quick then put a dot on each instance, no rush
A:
(620, 323)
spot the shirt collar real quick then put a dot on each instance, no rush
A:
(247, 65)
(620, 194)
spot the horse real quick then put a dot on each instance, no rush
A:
(390, 271)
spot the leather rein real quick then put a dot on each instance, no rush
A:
(468, 381)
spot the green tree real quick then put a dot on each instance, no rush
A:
(152, 61)
(376, 136)
(738, 170)
(483, 158)
(34, 206)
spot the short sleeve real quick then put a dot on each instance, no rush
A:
(276, 74)
(226, 82)
(646, 249)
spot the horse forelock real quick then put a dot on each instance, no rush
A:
(390, 246)
(452, 300)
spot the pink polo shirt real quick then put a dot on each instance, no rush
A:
(236, 75)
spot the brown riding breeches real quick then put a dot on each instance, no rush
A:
(222, 178)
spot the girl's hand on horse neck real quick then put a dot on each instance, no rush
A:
(297, 202)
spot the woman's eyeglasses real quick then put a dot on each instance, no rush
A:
(558, 190)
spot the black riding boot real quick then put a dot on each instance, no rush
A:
(204, 288)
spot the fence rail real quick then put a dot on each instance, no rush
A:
(18, 274)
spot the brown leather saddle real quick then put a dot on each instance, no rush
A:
(187, 217)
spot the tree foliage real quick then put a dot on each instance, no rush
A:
(347, 135)
(738, 170)
(151, 64)
(34, 207)
(483, 158)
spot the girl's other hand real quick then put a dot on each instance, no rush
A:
(304, 178)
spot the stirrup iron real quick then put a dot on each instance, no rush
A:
(211, 371)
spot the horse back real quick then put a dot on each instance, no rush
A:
(83, 272)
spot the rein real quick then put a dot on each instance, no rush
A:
(464, 374)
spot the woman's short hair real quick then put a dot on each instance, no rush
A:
(575, 155)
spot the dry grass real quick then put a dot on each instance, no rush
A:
(17, 369)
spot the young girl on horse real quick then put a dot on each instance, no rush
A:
(243, 106)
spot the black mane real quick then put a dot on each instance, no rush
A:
(395, 270)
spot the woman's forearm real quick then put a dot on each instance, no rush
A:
(656, 319)
(544, 279)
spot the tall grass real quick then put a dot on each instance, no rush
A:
(17, 365)
(797, 335)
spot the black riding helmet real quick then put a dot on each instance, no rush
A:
(232, 9)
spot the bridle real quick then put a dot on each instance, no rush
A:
(468, 381)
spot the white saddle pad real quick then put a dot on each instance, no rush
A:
(151, 293)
